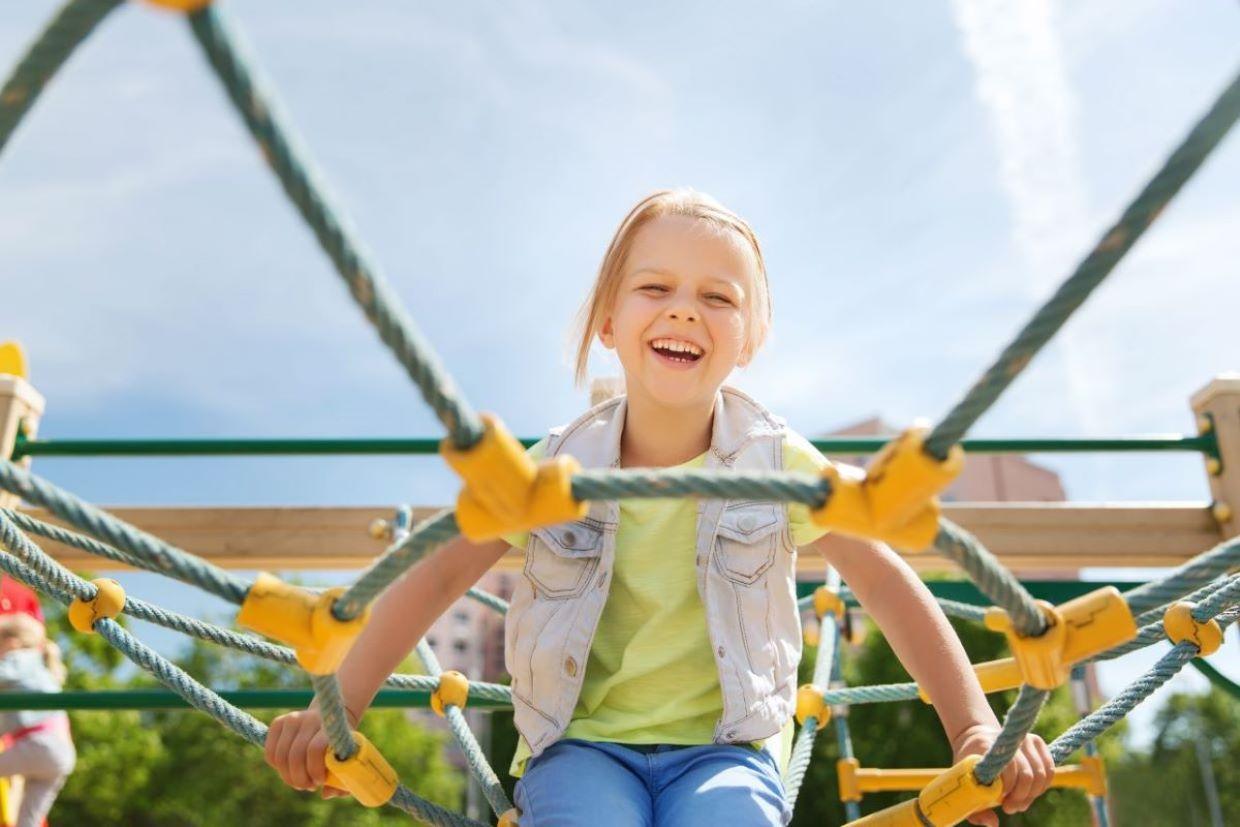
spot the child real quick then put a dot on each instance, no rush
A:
(654, 644)
(39, 747)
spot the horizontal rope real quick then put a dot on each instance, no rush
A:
(1192, 575)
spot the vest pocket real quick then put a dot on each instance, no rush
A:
(561, 559)
(747, 539)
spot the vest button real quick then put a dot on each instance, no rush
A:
(570, 666)
(720, 651)
(570, 537)
(746, 523)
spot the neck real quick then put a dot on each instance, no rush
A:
(658, 436)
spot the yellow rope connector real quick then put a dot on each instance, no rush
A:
(509, 818)
(109, 601)
(366, 774)
(453, 690)
(1180, 625)
(846, 771)
(302, 619)
(181, 5)
(810, 702)
(896, 501)
(827, 600)
(505, 491)
(13, 360)
(1093, 773)
(993, 675)
(949, 798)
(1081, 628)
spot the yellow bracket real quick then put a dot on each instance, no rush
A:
(505, 491)
(993, 675)
(109, 601)
(303, 620)
(896, 502)
(13, 360)
(947, 798)
(1077, 630)
(828, 601)
(453, 690)
(509, 818)
(856, 781)
(810, 701)
(366, 774)
(181, 5)
(1180, 626)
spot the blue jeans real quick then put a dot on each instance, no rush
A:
(575, 783)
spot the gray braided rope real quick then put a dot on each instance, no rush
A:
(1135, 693)
(1219, 600)
(332, 710)
(824, 663)
(877, 694)
(629, 483)
(424, 538)
(1195, 573)
(489, 600)
(492, 788)
(70, 26)
(992, 577)
(250, 94)
(49, 571)
(164, 558)
(1018, 722)
(843, 737)
(429, 813)
(90, 545)
(1092, 270)
(1156, 614)
(951, 608)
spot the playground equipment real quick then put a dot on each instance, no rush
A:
(505, 491)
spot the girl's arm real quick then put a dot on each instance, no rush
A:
(400, 617)
(928, 647)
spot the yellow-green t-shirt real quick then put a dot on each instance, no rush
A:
(651, 676)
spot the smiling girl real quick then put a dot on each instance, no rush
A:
(653, 645)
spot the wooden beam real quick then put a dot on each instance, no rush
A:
(1025, 536)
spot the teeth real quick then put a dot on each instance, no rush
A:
(677, 346)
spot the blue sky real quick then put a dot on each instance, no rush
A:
(920, 178)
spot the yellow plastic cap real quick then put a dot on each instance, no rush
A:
(846, 771)
(13, 360)
(509, 818)
(180, 5)
(299, 618)
(1180, 626)
(848, 511)
(109, 601)
(828, 601)
(810, 702)
(505, 491)
(957, 794)
(453, 690)
(366, 774)
(1079, 629)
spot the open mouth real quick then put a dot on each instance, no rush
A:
(676, 351)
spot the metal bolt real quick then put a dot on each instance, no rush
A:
(1221, 511)
(1213, 466)
(380, 529)
(1204, 424)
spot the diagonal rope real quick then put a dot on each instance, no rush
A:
(1095, 267)
(993, 579)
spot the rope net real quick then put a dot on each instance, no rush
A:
(1213, 595)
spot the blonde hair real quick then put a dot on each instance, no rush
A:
(30, 634)
(686, 202)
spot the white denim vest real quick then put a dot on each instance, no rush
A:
(746, 565)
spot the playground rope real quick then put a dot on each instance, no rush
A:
(117, 541)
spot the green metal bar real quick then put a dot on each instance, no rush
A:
(1217, 678)
(842, 446)
(245, 698)
(963, 591)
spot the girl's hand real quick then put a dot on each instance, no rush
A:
(1026, 776)
(296, 746)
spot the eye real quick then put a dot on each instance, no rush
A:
(653, 288)
(718, 298)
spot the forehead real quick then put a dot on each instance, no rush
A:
(692, 247)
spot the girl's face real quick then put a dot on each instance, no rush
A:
(680, 318)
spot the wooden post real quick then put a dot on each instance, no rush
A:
(1217, 407)
(20, 408)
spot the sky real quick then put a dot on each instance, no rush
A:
(921, 176)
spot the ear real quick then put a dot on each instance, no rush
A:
(607, 334)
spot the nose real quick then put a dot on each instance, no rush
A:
(682, 310)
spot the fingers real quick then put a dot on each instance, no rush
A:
(1017, 795)
(1032, 770)
(1043, 766)
(986, 818)
(298, 760)
(316, 766)
(273, 738)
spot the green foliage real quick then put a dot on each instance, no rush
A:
(182, 769)
(1166, 784)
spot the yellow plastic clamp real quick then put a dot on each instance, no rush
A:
(810, 701)
(301, 619)
(181, 5)
(1078, 629)
(109, 601)
(862, 780)
(509, 818)
(948, 799)
(828, 601)
(505, 491)
(366, 774)
(453, 690)
(1180, 626)
(13, 360)
(896, 502)
(846, 771)
(993, 675)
